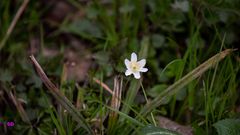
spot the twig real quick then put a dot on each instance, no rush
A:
(14, 22)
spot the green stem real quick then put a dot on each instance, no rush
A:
(145, 96)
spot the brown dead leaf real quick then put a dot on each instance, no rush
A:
(77, 65)
(58, 11)
(77, 60)
(171, 125)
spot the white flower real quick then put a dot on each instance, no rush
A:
(135, 67)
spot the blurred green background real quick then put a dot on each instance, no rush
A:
(76, 40)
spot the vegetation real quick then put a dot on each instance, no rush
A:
(62, 67)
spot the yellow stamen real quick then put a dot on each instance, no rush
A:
(135, 66)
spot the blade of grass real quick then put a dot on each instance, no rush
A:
(60, 97)
(145, 96)
(108, 24)
(209, 92)
(52, 111)
(101, 115)
(80, 97)
(122, 114)
(131, 94)
(185, 80)
(14, 22)
(127, 117)
(56, 121)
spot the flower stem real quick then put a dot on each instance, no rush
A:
(145, 96)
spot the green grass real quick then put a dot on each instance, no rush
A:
(102, 34)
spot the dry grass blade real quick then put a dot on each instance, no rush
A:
(185, 80)
(115, 103)
(60, 97)
(14, 22)
(103, 85)
(116, 97)
(19, 107)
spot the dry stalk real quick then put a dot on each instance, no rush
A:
(103, 85)
(14, 22)
(116, 96)
(19, 107)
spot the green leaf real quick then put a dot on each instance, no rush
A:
(84, 28)
(6, 76)
(228, 127)
(34, 80)
(172, 69)
(181, 94)
(158, 40)
(158, 89)
(152, 130)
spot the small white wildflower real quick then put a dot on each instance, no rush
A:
(135, 67)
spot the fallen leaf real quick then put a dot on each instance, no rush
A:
(171, 125)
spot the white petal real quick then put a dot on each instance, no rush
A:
(136, 75)
(134, 57)
(143, 70)
(127, 63)
(142, 62)
(128, 72)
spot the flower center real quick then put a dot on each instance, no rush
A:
(135, 66)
